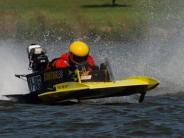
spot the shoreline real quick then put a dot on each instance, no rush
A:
(53, 21)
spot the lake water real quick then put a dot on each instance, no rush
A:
(158, 116)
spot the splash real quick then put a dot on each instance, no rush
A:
(113, 100)
(155, 57)
(13, 60)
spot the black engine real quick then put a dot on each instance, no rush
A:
(38, 59)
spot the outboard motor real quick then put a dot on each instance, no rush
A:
(38, 59)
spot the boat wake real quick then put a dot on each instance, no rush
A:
(113, 100)
(13, 60)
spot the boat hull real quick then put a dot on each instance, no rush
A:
(95, 90)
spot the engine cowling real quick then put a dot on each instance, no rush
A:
(38, 59)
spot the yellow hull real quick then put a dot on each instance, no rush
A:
(90, 90)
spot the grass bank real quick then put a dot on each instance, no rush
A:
(90, 19)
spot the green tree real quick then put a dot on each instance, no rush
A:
(113, 2)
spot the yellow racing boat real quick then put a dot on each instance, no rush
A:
(57, 86)
(93, 90)
(45, 89)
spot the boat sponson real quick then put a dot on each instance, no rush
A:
(89, 90)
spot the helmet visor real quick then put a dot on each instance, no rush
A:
(77, 59)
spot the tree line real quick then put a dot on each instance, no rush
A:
(113, 2)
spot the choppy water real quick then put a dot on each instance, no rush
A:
(158, 116)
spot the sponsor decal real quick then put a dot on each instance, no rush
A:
(86, 77)
(53, 75)
(62, 86)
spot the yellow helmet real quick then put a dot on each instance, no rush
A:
(79, 48)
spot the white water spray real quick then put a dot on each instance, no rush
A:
(12, 60)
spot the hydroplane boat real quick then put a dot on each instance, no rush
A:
(56, 86)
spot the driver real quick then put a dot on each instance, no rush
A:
(77, 58)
